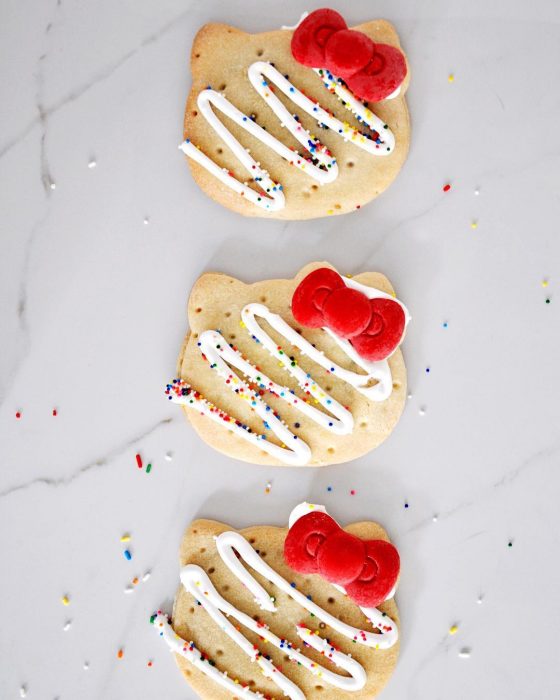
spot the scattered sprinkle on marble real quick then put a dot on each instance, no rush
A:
(422, 410)
(65, 600)
(139, 461)
(510, 543)
(453, 629)
(23, 691)
(92, 164)
(268, 486)
(67, 625)
(406, 504)
(352, 492)
(474, 224)
(127, 554)
(477, 192)
(146, 220)
(409, 395)
(18, 414)
(445, 324)
(465, 653)
(544, 282)
(150, 663)
(427, 370)
(434, 518)
(547, 300)
(446, 187)
(451, 78)
(149, 468)
(125, 537)
(86, 665)
(146, 575)
(55, 412)
(120, 654)
(53, 185)
(329, 488)
(480, 599)
(168, 456)
(129, 588)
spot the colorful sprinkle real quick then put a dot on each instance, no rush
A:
(544, 283)
(67, 625)
(329, 488)
(149, 468)
(547, 300)
(150, 663)
(422, 410)
(474, 224)
(23, 691)
(480, 599)
(406, 504)
(146, 575)
(510, 544)
(477, 192)
(453, 629)
(465, 653)
(126, 537)
(445, 324)
(434, 518)
(120, 654)
(446, 187)
(352, 492)
(54, 412)
(86, 665)
(127, 554)
(92, 164)
(168, 456)
(146, 220)
(65, 600)
(450, 78)
(18, 414)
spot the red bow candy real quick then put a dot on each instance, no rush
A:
(367, 569)
(372, 71)
(374, 327)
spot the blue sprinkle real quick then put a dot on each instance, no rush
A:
(127, 555)
(329, 488)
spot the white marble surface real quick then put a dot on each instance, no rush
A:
(92, 306)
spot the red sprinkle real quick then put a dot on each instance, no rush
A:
(55, 412)
(150, 664)
(139, 461)
(446, 188)
(352, 492)
(18, 414)
(120, 653)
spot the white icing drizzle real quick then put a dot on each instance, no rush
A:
(270, 195)
(232, 547)
(375, 384)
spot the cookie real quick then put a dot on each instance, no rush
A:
(247, 624)
(305, 371)
(297, 123)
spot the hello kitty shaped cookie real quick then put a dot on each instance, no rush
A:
(300, 122)
(305, 371)
(268, 612)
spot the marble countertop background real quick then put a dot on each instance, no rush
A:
(102, 235)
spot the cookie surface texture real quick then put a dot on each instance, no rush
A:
(221, 57)
(216, 302)
(193, 623)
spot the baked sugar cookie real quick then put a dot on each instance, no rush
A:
(297, 123)
(303, 371)
(268, 612)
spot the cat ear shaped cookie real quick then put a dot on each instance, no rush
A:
(297, 123)
(303, 371)
(248, 622)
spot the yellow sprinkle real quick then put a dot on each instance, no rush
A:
(330, 211)
(453, 629)
(451, 77)
(125, 538)
(65, 600)
(474, 224)
(544, 283)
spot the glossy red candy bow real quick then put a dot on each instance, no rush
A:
(374, 327)
(372, 71)
(367, 569)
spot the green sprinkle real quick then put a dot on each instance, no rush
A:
(149, 468)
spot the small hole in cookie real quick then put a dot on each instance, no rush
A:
(225, 588)
(322, 625)
(222, 87)
(227, 314)
(211, 570)
(187, 672)
(219, 151)
(194, 113)
(328, 388)
(263, 300)
(350, 164)
(198, 310)
(363, 424)
(263, 554)
(330, 600)
(330, 450)
(252, 540)
(197, 55)
(319, 688)
(195, 335)
(396, 385)
(315, 187)
(195, 532)
(260, 52)
(232, 336)
(219, 652)
(202, 550)
(191, 610)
